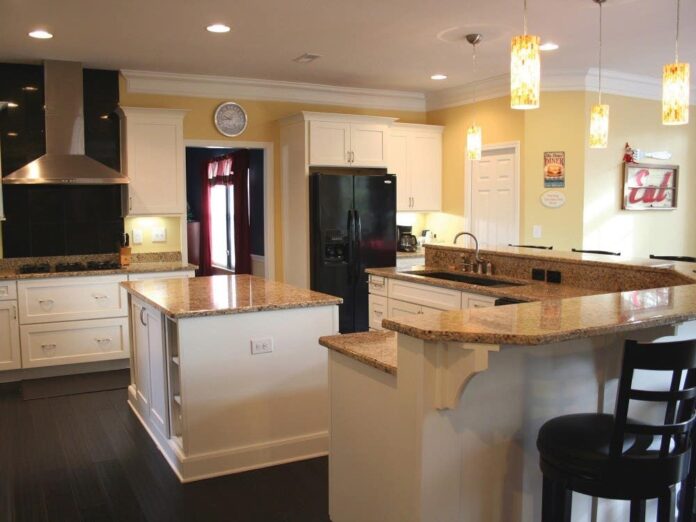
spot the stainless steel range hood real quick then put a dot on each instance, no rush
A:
(65, 162)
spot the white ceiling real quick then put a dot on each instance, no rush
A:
(388, 44)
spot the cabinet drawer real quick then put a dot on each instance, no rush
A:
(378, 311)
(396, 308)
(478, 301)
(378, 285)
(8, 290)
(432, 296)
(74, 342)
(69, 299)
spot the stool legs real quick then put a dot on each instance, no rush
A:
(666, 505)
(556, 502)
(637, 511)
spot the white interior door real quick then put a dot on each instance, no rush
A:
(494, 198)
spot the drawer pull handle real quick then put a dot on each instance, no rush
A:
(47, 347)
(46, 304)
(100, 296)
(4, 290)
(14, 312)
(377, 312)
(375, 283)
(103, 340)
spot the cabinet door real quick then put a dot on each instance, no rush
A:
(158, 373)
(368, 145)
(141, 357)
(329, 143)
(425, 164)
(9, 336)
(398, 164)
(154, 159)
(396, 308)
(378, 311)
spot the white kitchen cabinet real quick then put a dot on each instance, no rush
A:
(426, 295)
(152, 146)
(377, 306)
(10, 358)
(476, 301)
(415, 156)
(150, 365)
(348, 144)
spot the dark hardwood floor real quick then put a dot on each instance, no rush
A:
(86, 457)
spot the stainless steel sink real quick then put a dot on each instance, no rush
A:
(471, 279)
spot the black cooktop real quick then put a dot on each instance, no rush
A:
(44, 268)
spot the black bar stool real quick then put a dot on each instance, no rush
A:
(603, 252)
(616, 457)
(688, 259)
(532, 246)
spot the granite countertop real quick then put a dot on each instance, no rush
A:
(224, 295)
(377, 349)
(554, 320)
(527, 291)
(134, 268)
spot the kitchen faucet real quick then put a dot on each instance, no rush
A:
(479, 265)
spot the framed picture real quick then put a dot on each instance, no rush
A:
(650, 187)
(554, 169)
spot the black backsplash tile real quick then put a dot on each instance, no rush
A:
(46, 220)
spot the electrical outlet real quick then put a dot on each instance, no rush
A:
(261, 345)
(538, 274)
(536, 231)
(137, 236)
(159, 235)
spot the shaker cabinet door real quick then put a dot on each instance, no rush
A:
(398, 164)
(10, 358)
(329, 143)
(368, 145)
(425, 162)
(158, 373)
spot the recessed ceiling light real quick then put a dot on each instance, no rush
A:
(548, 46)
(438, 77)
(12, 105)
(218, 28)
(306, 58)
(40, 34)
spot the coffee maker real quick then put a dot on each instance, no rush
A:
(407, 242)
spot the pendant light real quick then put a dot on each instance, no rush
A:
(474, 140)
(675, 87)
(525, 69)
(599, 114)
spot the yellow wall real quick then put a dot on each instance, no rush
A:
(263, 116)
(172, 225)
(639, 233)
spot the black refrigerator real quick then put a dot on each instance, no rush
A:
(353, 227)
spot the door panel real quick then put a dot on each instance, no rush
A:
(142, 357)
(9, 336)
(158, 373)
(329, 143)
(494, 199)
(375, 204)
(368, 144)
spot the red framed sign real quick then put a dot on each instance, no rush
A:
(650, 187)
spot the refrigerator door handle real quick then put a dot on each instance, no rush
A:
(351, 245)
(358, 239)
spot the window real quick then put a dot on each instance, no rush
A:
(222, 224)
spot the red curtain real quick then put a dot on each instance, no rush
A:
(230, 169)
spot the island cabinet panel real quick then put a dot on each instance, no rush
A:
(10, 358)
(140, 364)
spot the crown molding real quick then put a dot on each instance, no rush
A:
(224, 87)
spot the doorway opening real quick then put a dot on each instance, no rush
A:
(222, 207)
(492, 194)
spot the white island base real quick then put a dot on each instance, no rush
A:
(212, 407)
(452, 436)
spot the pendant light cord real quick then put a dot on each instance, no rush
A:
(600, 53)
(473, 72)
(525, 17)
(676, 39)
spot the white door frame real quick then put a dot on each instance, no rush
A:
(268, 194)
(493, 147)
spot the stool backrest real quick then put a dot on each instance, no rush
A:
(674, 433)
(532, 246)
(687, 259)
(603, 252)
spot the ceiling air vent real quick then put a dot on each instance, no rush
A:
(306, 58)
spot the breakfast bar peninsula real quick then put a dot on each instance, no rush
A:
(226, 372)
(435, 413)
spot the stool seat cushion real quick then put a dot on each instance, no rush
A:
(577, 447)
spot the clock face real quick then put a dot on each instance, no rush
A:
(230, 119)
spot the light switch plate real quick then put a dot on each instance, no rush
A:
(159, 235)
(536, 231)
(137, 236)
(261, 345)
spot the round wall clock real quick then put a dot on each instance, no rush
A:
(230, 119)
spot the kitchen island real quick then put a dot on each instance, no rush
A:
(226, 373)
(436, 417)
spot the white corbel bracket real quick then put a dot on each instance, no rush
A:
(455, 365)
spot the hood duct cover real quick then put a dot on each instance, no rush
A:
(65, 162)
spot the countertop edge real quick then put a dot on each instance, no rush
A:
(333, 342)
(135, 268)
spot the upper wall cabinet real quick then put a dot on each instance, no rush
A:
(415, 156)
(153, 159)
(339, 140)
